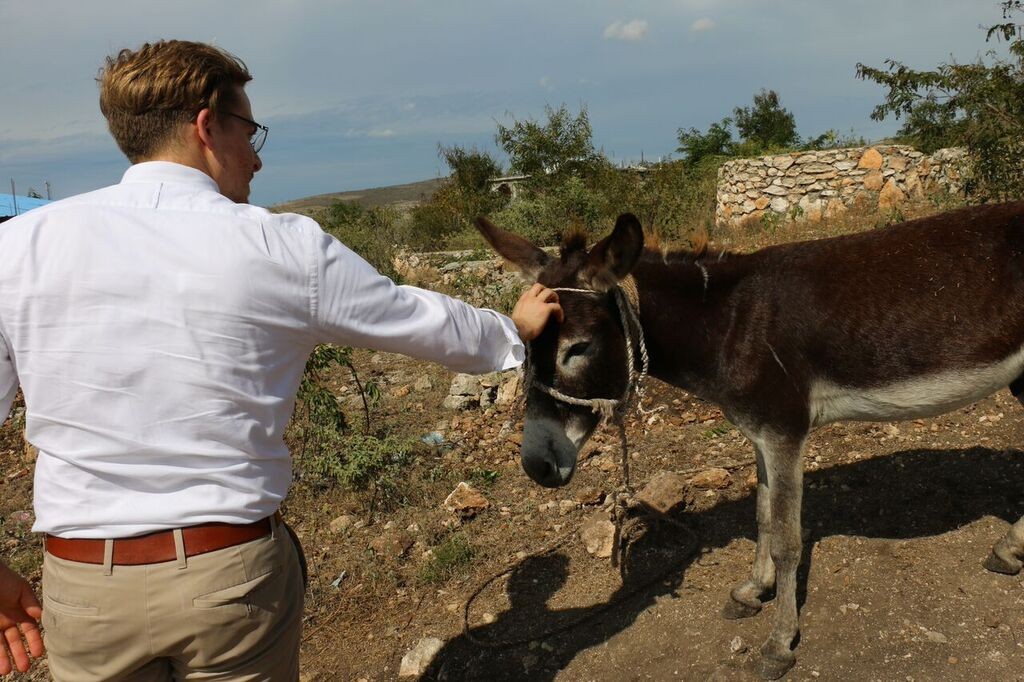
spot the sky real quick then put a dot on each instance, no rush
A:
(359, 93)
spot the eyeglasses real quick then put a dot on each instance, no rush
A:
(258, 137)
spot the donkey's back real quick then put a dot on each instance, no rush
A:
(907, 321)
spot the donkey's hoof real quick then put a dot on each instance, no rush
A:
(998, 564)
(775, 664)
(734, 610)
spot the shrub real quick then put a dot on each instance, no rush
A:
(448, 559)
(372, 233)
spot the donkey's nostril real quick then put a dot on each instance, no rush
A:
(539, 470)
(544, 472)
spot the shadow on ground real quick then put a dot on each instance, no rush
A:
(911, 494)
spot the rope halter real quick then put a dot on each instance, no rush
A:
(610, 409)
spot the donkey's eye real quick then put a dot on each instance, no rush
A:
(576, 350)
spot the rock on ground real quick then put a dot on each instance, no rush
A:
(465, 501)
(664, 492)
(416, 661)
(598, 534)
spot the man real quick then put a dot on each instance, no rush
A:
(159, 329)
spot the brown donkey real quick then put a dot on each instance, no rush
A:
(903, 322)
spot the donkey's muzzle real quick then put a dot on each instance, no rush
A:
(548, 456)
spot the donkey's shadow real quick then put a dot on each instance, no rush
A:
(911, 494)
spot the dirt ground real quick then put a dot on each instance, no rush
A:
(899, 518)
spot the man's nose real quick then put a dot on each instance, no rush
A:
(258, 165)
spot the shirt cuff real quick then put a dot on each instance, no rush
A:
(516, 351)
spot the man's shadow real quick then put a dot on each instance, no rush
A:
(532, 584)
(910, 494)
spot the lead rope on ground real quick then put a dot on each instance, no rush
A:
(620, 547)
(609, 410)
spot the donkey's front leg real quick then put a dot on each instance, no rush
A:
(745, 599)
(785, 492)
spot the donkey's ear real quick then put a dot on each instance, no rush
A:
(616, 255)
(523, 254)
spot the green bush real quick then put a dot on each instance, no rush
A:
(373, 233)
(448, 212)
(325, 448)
(448, 559)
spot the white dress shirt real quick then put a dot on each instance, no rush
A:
(159, 332)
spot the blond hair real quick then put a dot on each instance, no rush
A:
(148, 93)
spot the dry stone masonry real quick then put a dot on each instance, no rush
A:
(821, 184)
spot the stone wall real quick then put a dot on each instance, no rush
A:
(813, 185)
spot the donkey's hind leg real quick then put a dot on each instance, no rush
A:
(1007, 554)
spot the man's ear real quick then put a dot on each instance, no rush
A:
(204, 127)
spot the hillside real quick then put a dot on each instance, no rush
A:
(398, 196)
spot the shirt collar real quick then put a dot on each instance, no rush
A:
(168, 171)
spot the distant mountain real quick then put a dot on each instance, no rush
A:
(396, 196)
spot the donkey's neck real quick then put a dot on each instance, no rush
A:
(685, 311)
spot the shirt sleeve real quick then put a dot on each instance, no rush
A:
(355, 305)
(8, 381)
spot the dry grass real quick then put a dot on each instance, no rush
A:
(759, 233)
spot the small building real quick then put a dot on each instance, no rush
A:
(508, 185)
(14, 205)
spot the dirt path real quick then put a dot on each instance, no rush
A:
(899, 518)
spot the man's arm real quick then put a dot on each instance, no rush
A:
(8, 381)
(19, 616)
(356, 305)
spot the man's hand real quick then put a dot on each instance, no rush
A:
(19, 615)
(532, 311)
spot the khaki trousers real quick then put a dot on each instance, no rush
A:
(232, 614)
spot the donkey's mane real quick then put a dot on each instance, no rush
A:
(574, 240)
(696, 252)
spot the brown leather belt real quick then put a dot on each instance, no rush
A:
(155, 548)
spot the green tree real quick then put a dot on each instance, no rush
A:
(552, 150)
(695, 145)
(766, 124)
(469, 195)
(470, 168)
(979, 106)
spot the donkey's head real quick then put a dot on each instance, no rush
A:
(585, 356)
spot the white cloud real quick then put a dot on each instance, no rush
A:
(386, 132)
(633, 31)
(545, 82)
(704, 24)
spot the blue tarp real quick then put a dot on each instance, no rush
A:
(24, 204)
